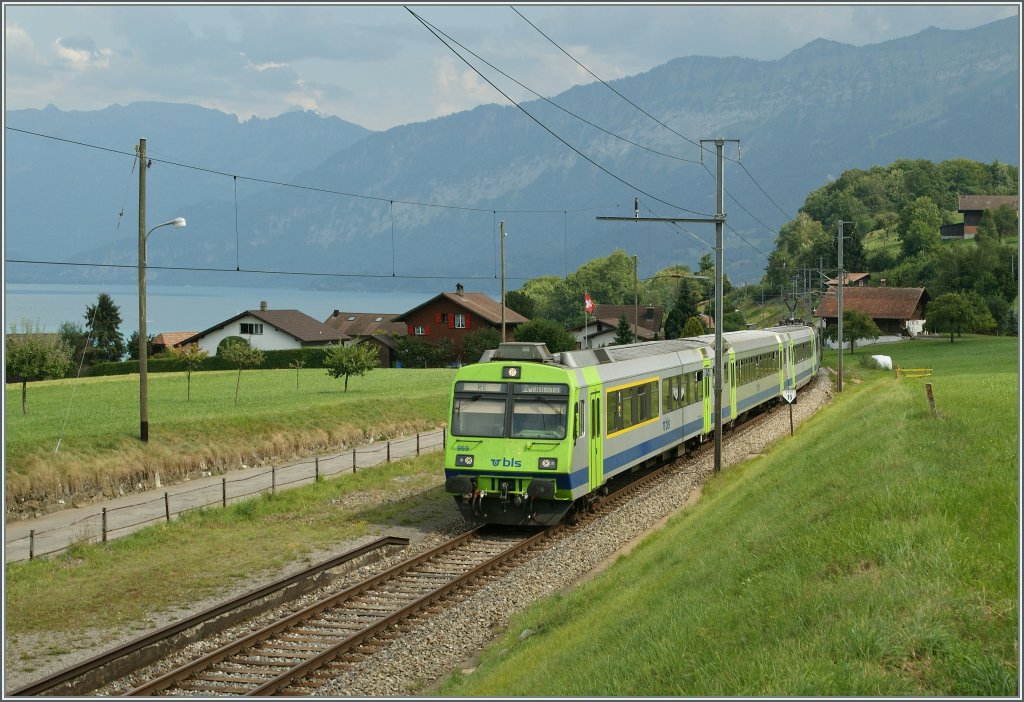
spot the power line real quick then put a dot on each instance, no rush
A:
(328, 191)
(556, 105)
(200, 269)
(431, 29)
(645, 112)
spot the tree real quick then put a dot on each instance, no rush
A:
(192, 356)
(857, 325)
(949, 312)
(734, 321)
(239, 353)
(345, 361)
(103, 322)
(475, 343)
(31, 354)
(548, 332)
(519, 301)
(920, 237)
(1011, 323)
(693, 327)
(74, 336)
(297, 364)
(687, 298)
(414, 352)
(133, 346)
(624, 332)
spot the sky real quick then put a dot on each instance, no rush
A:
(379, 67)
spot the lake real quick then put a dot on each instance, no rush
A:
(187, 308)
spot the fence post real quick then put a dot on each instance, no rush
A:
(931, 398)
(444, 439)
(316, 475)
(389, 452)
(104, 527)
(31, 544)
(353, 460)
(167, 506)
(417, 443)
(223, 492)
(273, 480)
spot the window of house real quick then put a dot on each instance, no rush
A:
(378, 319)
(251, 328)
(460, 321)
(444, 318)
(351, 319)
(418, 330)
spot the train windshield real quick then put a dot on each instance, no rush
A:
(510, 410)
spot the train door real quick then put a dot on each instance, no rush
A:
(707, 375)
(789, 365)
(596, 458)
(732, 386)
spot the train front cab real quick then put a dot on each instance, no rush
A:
(516, 431)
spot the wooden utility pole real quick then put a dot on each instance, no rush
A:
(839, 303)
(143, 389)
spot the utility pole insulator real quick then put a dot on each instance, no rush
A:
(636, 208)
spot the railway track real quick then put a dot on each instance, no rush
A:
(111, 665)
(298, 653)
(344, 627)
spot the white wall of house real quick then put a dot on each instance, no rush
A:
(605, 338)
(270, 340)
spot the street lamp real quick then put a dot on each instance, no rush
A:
(177, 223)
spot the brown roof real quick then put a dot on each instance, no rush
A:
(365, 323)
(877, 303)
(969, 203)
(848, 279)
(298, 325)
(604, 312)
(171, 339)
(480, 304)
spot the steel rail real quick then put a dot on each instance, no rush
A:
(95, 663)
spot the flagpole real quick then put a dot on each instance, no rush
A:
(586, 341)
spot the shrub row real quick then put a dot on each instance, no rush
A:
(310, 357)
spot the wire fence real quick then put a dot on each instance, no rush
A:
(111, 523)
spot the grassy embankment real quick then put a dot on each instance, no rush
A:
(873, 554)
(96, 421)
(119, 585)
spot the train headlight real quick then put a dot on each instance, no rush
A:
(547, 464)
(464, 459)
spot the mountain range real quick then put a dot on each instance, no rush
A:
(318, 202)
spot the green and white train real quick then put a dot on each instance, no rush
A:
(535, 436)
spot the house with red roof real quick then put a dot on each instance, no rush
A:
(454, 315)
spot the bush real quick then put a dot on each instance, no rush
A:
(311, 357)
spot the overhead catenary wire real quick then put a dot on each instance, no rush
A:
(655, 119)
(543, 126)
(328, 191)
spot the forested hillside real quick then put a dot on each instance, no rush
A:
(896, 212)
(892, 216)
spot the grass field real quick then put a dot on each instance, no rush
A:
(200, 554)
(873, 554)
(95, 422)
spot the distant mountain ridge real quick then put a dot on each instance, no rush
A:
(418, 206)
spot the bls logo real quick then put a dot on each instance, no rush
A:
(461, 448)
(506, 462)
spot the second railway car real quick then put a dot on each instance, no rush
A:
(534, 436)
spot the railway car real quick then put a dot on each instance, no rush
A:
(533, 437)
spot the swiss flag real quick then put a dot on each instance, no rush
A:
(588, 304)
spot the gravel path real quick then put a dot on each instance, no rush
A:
(450, 642)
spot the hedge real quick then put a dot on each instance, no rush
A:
(312, 357)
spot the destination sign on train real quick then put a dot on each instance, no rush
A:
(524, 388)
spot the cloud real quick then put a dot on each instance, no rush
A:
(81, 54)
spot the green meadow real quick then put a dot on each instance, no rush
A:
(875, 553)
(83, 435)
